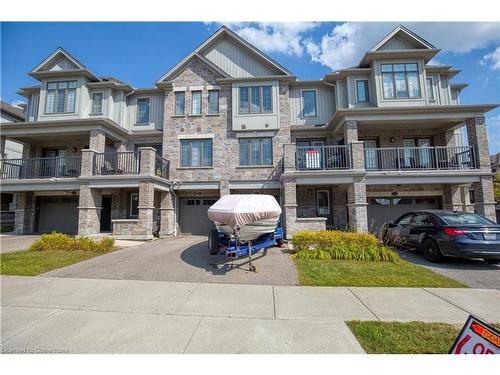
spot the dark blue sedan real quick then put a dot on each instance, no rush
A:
(439, 233)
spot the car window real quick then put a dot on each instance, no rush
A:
(404, 220)
(422, 219)
(464, 218)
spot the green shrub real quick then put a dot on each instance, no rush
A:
(338, 245)
(63, 242)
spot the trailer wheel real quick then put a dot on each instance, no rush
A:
(213, 242)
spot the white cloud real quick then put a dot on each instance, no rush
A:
(493, 124)
(493, 58)
(285, 38)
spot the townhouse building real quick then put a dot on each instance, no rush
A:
(349, 151)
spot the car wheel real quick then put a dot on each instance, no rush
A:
(213, 242)
(430, 250)
(492, 261)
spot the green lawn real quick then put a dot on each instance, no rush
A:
(368, 273)
(32, 263)
(404, 338)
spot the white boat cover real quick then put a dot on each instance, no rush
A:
(237, 210)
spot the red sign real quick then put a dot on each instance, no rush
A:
(477, 337)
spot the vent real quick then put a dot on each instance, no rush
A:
(243, 126)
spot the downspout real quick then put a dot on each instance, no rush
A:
(176, 205)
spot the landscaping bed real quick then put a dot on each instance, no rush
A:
(335, 258)
(53, 251)
(404, 338)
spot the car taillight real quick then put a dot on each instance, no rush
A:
(454, 232)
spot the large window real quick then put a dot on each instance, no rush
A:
(256, 151)
(309, 103)
(61, 97)
(362, 91)
(143, 111)
(400, 81)
(255, 99)
(180, 103)
(196, 153)
(213, 102)
(196, 102)
(97, 102)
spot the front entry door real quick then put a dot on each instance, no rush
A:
(106, 214)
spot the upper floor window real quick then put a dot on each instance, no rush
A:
(400, 81)
(255, 99)
(196, 153)
(180, 102)
(362, 95)
(61, 97)
(429, 90)
(196, 102)
(309, 103)
(97, 102)
(213, 102)
(142, 110)
(256, 151)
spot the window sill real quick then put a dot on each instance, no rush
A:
(212, 114)
(142, 124)
(254, 166)
(178, 116)
(195, 115)
(181, 168)
(96, 114)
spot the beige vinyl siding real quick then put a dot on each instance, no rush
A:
(352, 93)
(444, 87)
(32, 108)
(63, 64)
(325, 105)
(342, 94)
(155, 112)
(236, 62)
(396, 44)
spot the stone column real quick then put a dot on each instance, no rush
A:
(289, 215)
(356, 147)
(147, 161)
(121, 146)
(289, 157)
(477, 136)
(484, 197)
(97, 141)
(167, 214)
(453, 197)
(224, 188)
(89, 211)
(24, 214)
(357, 206)
(144, 228)
(467, 206)
(350, 131)
(87, 167)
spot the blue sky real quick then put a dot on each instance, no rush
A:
(141, 52)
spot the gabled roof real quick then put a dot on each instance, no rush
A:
(12, 110)
(72, 67)
(223, 32)
(407, 35)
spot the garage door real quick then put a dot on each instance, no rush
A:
(385, 209)
(59, 214)
(193, 215)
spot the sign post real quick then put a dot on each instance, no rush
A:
(476, 337)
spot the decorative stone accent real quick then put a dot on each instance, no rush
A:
(357, 154)
(24, 215)
(97, 141)
(484, 197)
(453, 198)
(87, 168)
(477, 135)
(357, 206)
(89, 211)
(147, 161)
(167, 214)
(289, 157)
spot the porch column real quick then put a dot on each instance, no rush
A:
(121, 146)
(89, 211)
(289, 157)
(453, 198)
(477, 136)
(224, 187)
(167, 214)
(24, 214)
(2, 147)
(357, 206)
(467, 206)
(484, 197)
(147, 161)
(97, 141)
(356, 146)
(87, 166)
(146, 207)
(289, 216)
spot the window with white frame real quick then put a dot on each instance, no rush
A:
(180, 103)
(143, 111)
(61, 97)
(255, 99)
(196, 153)
(133, 205)
(362, 95)
(196, 102)
(429, 89)
(213, 102)
(309, 103)
(97, 98)
(256, 151)
(400, 81)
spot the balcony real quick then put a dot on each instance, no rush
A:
(39, 168)
(419, 158)
(116, 163)
(322, 158)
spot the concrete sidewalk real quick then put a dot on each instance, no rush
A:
(124, 316)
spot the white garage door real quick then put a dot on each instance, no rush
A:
(193, 215)
(384, 209)
(58, 214)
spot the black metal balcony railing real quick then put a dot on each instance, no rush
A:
(161, 166)
(322, 157)
(33, 168)
(419, 158)
(116, 163)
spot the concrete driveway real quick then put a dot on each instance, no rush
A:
(474, 273)
(184, 258)
(12, 242)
